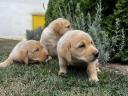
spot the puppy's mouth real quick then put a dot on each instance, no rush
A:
(86, 60)
(33, 61)
(92, 59)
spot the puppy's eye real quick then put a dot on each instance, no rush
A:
(37, 49)
(68, 26)
(92, 42)
(81, 46)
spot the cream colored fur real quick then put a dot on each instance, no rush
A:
(26, 51)
(77, 46)
(52, 33)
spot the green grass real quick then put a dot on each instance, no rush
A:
(43, 80)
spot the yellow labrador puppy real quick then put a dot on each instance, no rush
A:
(76, 47)
(52, 34)
(26, 51)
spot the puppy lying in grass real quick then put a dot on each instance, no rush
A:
(76, 47)
(30, 51)
(52, 34)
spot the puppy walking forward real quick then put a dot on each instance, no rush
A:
(77, 46)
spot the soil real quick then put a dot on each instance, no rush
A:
(118, 68)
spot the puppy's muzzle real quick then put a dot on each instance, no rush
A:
(96, 54)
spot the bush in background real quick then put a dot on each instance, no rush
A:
(92, 21)
(100, 36)
(89, 23)
(34, 34)
(120, 18)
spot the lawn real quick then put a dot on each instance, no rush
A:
(43, 80)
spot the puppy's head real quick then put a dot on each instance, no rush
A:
(60, 26)
(83, 48)
(37, 52)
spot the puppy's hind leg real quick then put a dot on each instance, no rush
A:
(63, 67)
(6, 63)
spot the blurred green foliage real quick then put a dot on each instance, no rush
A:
(113, 21)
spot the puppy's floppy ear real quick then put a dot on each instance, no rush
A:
(57, 27)
(25, 56)
(67, 52)
(69, 57)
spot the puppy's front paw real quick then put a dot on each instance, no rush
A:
(49, 58)
(95, 79)
(62, 73)
(98, 69)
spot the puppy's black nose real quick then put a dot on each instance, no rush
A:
(47, 55)
(96, 54)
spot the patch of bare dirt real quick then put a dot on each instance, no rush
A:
(118, 68)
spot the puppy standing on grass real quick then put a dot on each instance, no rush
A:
(75, 47)
(26, 51)
(52, 33)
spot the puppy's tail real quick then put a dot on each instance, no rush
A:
(6, 63)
